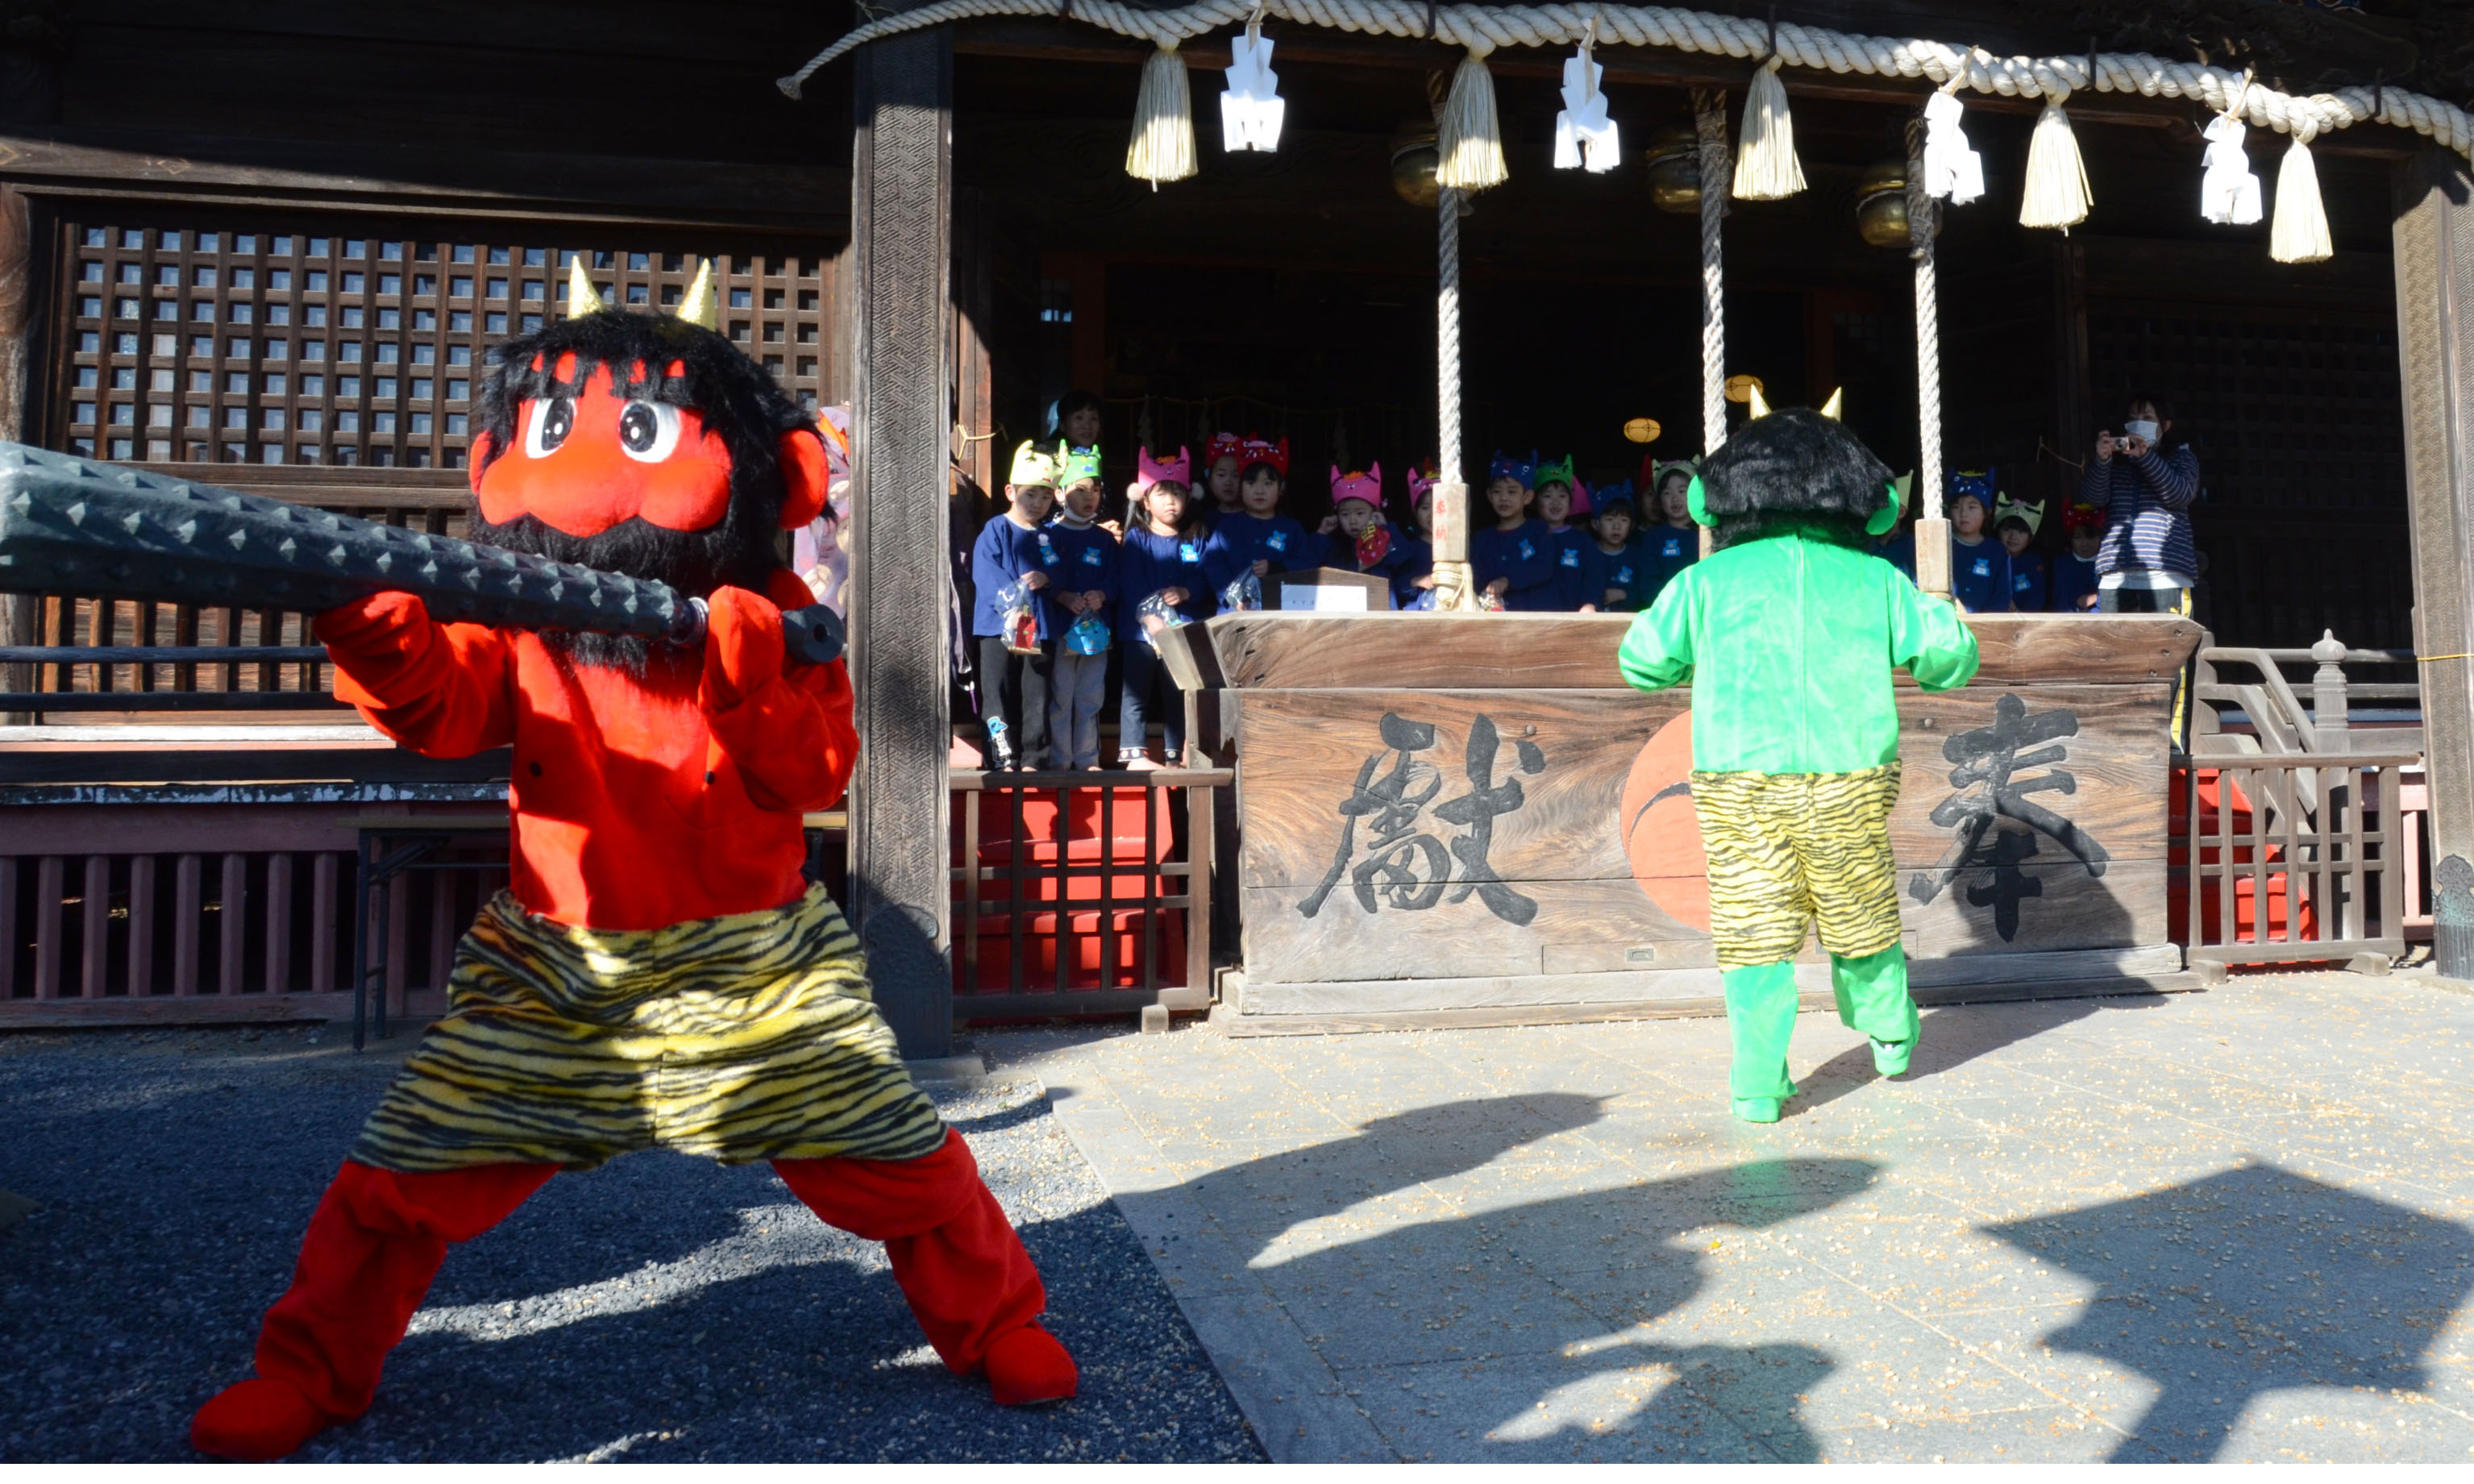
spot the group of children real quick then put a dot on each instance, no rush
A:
(1997, 571)
(1056, 587)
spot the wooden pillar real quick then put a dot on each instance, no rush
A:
(2434, 230)
(901, 189)
(16, 324)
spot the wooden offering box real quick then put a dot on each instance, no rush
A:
(1470, 820)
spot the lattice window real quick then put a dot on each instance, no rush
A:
(340, 343)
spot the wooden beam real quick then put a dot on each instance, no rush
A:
(2434, 277)
(426, 180)
(902, 194)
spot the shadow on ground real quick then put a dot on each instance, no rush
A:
(2252, 1281)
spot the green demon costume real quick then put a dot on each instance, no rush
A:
(1788, 633)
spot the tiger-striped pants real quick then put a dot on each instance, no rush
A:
(748, 1037)
(1787, 850)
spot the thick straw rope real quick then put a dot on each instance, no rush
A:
(1484, 28)
(1452, 575)
(1709, 120)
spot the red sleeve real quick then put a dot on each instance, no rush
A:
(791, 736)
(443, 690)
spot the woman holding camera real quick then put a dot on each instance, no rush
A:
(2144, 479)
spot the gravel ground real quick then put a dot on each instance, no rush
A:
(658, 1308)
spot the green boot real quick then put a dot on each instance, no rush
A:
(1761, 1020)
(1872, 994)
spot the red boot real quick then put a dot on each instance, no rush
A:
(956, 1258)
(1029, 1366)
(373, 1244)
(256, 1422)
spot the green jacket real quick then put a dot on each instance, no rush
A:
(1788, 642)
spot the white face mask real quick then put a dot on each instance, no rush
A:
(2142, 428)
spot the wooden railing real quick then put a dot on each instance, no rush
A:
(2316, 846)
(1062, 908)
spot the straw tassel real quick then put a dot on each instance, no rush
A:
(1468, 137)
(2299, 233)
(1162, 148)
(2057, 191)
(1766, 168)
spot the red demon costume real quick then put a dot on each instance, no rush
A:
(659, 972)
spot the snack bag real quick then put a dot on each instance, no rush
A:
(1087, 636)
(1246, 593)
(1020, 620)
(1158, 614)
(1374, 543)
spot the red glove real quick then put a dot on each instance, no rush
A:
(376, 625)
(743, 647)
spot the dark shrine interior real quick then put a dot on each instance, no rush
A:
(1294, 294)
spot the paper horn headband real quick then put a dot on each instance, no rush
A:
(1654, 473)
(1759, 406)
(1032, 464)
(1421, 482)
(1256, 450)
(1976, 482)
(1074, 466)
(1223, 445)
(1523, 473)
(1617, 493)
(1562, 473)
(699, 306)
(1150, 471)
(1358, 484)
(2030, 516)
(2081, 517)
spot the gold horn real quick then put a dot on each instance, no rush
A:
(701, 305)
(582, 297)
(1755, 402)
(1830, 408)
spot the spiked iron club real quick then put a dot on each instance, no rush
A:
(74, 527)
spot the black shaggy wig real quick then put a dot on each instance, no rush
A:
(1793, 470)
(738, 399)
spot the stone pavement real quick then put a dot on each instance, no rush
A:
(2227, 1225)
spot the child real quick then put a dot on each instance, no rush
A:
(1085, 588)
(1355, 536)
(1789, 634)
(1413, 583)
(1513, 561)
(2014, 525)
(1610, 565)
(1077, 420)
(1258, 538)
(1674, 543)
(1163, 559)
(1013, 550)
(1560, 496)
(2072, 588)
(1980, 570)
(1223, 460)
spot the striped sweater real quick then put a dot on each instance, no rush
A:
(2146, 503)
